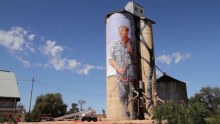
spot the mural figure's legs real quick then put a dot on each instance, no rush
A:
(126, 94)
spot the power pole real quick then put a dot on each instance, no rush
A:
(31, 98)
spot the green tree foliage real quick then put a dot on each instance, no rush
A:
(210, 97)
(215, 119)
(205, 103)
(197, 112)
(74, 108)
(50, 104)
(181, 113)
(174, 113)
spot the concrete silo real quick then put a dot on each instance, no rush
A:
(130, 77)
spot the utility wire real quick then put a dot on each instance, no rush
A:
(79, 93)
(160, 69)
(18, 79)
(62, 89)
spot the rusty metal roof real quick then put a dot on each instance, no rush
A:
(166, 78)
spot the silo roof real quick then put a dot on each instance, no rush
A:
(8, 85)
(119, 11)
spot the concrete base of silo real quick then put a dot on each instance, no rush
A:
(114, 107)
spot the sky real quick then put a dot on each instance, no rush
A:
(62, 44)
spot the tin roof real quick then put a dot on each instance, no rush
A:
(8, 85)
(166, 78)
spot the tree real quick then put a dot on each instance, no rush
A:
(50, 104)
(74, 108)
(210, 97)
(202, 104)
(81, 103)
(174, 113)
(197, 113)
(194, 113)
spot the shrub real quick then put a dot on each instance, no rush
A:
(181, 113)
(9, 117)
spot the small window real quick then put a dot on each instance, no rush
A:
(141, 11)
(135, 9)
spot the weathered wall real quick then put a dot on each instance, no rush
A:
(7, 102)
(172, 91)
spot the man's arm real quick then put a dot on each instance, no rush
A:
(130, 47)
(116, 67)
(112, 61)
(131, 50)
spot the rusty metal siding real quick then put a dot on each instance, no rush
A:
(170, 89)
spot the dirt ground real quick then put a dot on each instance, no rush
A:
(98, 122)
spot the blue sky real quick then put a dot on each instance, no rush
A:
(63, 45)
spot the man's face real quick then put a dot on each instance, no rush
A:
(123, 32)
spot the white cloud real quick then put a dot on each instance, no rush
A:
(20, 44)
(13, 39)
(58, 63)
(100, 67)
(31, 37)
(175, 58)
(86, 68)
(54, 53)
(24, 62)
(166, 59)
(178, 57)
(73, 64)
(51, 49)
(16, 40)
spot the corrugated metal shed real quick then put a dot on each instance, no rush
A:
(8, 85)
(171, 89)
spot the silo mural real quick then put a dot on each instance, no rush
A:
(121, 67)
(131, 77)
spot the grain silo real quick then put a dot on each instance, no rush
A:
(130, 73)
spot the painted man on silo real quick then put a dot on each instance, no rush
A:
(121, 58)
